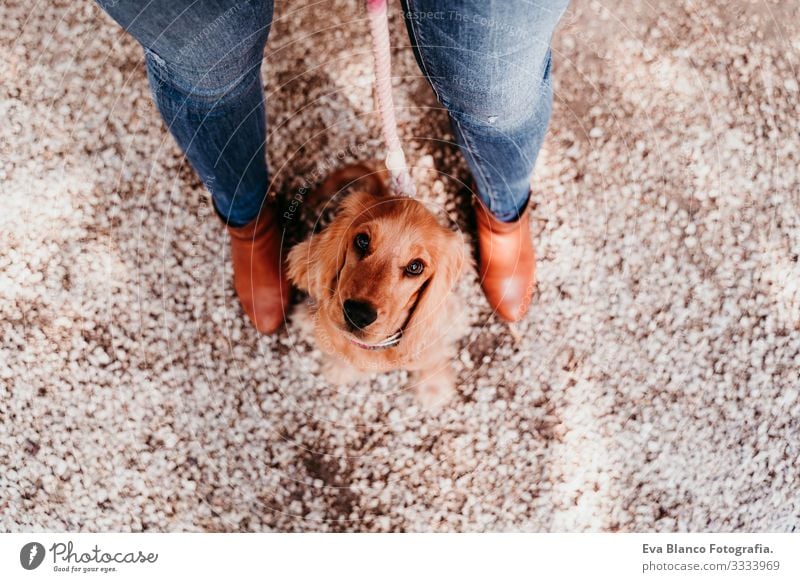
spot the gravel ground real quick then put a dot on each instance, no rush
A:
(655, 385)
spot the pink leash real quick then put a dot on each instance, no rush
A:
(401, 181)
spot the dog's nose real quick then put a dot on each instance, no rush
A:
(359, 314)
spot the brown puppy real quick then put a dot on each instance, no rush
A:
(380, 278)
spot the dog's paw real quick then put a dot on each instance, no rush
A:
(435, 389)
(339, 373)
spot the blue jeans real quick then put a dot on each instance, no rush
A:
(488, 62)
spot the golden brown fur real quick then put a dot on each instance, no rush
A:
(332, 268)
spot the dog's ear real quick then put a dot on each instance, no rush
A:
(314, 264)
(298, 262)
(430, 307)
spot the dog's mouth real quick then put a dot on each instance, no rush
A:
(394, 339)
(386, 343)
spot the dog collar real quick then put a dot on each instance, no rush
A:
(389, 342)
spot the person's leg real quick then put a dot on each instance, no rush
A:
(203, 62)
(489, 64)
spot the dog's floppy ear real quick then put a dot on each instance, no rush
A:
(431, 305)
(314, 264)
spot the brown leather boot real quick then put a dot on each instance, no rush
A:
(507, 262)
(258, 273)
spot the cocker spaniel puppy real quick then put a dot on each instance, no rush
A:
(380, 279)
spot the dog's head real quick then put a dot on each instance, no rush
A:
(381, 271)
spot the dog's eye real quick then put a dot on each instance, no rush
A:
(361, 242)
(415, 267)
